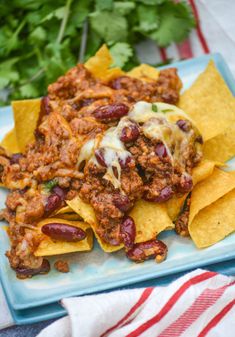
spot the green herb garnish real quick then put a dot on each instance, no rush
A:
(50, 184)
(154, 107)
(167, 110)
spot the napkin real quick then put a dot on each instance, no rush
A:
(201, 303)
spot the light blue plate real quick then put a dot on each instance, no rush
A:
(97, 271)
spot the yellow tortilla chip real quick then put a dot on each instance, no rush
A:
(26, 114)
(150, 220)
(203, 170)
(86, 211)
(174, 206)
(209, 190)
(99, 65)
(52, 247)
(221, 147)
(209, 103)
(214, 222)
(63, 210)
(144, 72)
(10, 143)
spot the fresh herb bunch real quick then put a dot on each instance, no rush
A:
(41, 39)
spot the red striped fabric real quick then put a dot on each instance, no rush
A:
(206, 299)
(185, 49)
(144, 296)
(171, 302)
(163, 54)
(198, 28)
(216, 319)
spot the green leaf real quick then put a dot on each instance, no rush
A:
(57, 13)
(154, 107)
(102, 5)
(28, 90)
(148, 18)
(110, 26)
(175, 24)
(121, 53)
(152, 2)
(50, 184)
(38, 35)
(124, 8)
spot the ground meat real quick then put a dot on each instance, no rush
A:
(62, 266)
(181, 223)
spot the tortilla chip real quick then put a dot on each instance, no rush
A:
(63, 210)
(144, 72)
(210, 190)
(214, 222)
(86, 211)
(52, 247)
(26, 114)
(10, 143)
(99, 65)
(221, 147)
(174, 206)
(150, 220)
(203, 170)
(209, 103)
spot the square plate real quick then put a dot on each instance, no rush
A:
(98, 271)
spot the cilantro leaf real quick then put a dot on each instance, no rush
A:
(175, 24)
(148, 18)
(154, 107)
(124, 8)
(101, 5)
(110, 26)
(152, 2)
(50, 184)
(121, 53)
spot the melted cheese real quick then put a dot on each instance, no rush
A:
(143, 111)
(159, 125)
(86, 151)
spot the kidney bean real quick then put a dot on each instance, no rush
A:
(161, 150)
(165, 194)
(128, 232)
(45, 107)
(124, 162)
(199, 139)
(147, 250)
(99, 154)
(59, 191)
(15, 158)
(53, 202)
(107, 113)
(27, 272)
(122, 202)
(129, 133)
(63, 232)
(184, 125)
(185, 184)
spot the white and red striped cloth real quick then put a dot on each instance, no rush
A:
(199, 304)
